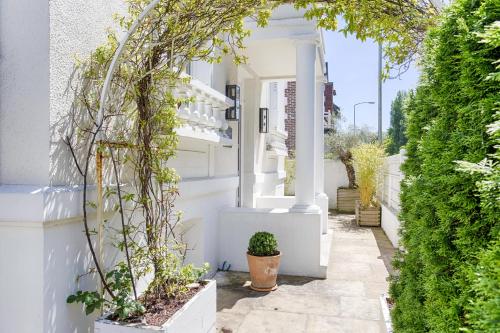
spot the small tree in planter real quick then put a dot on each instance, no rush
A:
(339, 145)
(263, 261)
(368, 162)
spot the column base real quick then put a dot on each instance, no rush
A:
(322, 201)
(321, 195)
(304, 208)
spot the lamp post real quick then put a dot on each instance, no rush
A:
(355, 113)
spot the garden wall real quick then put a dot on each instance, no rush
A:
(335, 177)
(388, 194)
(298, 235)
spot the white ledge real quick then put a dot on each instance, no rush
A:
(199, 134)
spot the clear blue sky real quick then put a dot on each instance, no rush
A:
(353, 69)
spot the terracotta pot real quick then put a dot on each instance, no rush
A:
(263, 272)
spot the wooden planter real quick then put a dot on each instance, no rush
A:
(346, 199)
(368, 217)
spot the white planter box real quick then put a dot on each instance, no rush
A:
(196, 316)
(386, 313)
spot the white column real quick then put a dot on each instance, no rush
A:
(321, 197)
(304, 129)
(320, 139)
(249, 137)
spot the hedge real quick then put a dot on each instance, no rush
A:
(448, 276)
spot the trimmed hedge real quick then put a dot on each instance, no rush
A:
(448, 276)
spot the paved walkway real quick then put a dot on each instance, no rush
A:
(347, 301)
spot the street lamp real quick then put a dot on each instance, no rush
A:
(355, 113)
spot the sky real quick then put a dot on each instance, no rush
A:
(353, 69)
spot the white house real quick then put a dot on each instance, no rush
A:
(232, 175)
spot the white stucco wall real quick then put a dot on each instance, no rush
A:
(24, 87)
(335, 177)
(76, 29)
(237, 225)
(42, 246)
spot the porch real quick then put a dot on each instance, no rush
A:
(347, 301)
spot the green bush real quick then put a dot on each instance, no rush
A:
(263, 244)
(448, 277)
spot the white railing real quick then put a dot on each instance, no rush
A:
(391, 181)
(203, 117)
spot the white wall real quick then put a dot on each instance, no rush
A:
(24, 87)
(298, 236)
(389, 194)
(42, 246)
(335, 177)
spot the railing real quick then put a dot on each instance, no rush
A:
(391, 181)
(204, 117)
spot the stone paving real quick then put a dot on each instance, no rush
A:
(347, 301)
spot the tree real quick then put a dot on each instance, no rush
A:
(340, 143)
(447, 278)
(396, 137)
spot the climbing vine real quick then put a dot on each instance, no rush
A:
(136, 134)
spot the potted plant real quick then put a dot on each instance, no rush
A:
(368, 162)
(263, 261)
(339, 145)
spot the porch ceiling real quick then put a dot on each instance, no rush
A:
(276, 58)
(271, 49)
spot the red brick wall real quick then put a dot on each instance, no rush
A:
(329, 97)
(290, 111)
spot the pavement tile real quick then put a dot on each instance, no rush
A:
(263, 321)
(347, 301)
(329, 324)
(360, 308)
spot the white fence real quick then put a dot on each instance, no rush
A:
(392, 176)
(388, 193)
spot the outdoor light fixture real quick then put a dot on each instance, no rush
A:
(233, 92)
(263, 120)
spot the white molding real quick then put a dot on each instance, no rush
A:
(196, 187)
(47, 206)
(197, 133)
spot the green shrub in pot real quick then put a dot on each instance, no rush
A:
(263, 244)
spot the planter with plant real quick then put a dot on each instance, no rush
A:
(263, 261)
(339, 145)
(368, 162)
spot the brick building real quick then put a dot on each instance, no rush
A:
(330, 110)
